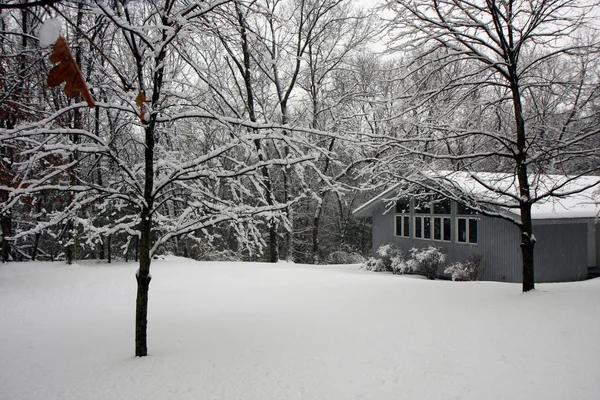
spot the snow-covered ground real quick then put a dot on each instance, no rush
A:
(236, 331)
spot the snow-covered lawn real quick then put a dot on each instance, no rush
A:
(236, 331)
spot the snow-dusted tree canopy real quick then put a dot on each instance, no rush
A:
(237, 129)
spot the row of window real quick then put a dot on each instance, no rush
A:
(438, 207)
(438, 228)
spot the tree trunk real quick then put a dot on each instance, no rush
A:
(247, 76)
(315, 233)
(526, 226)
(527, 246)
(6, 228)
(109, 252)
(143, 283)
(36, 244)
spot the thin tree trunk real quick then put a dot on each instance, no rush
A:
(36, 241)
(6, 231)
(247, 73)
(143, 284)
(109, 248)
(143, 274)
(526, 226)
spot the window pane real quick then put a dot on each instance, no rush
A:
(462, 230)
(399, 226)
(406, 226)
(422, 206)
(418, 231)
(441, 207)
(472, 230)
(465, 210)
(426, 227)
(447, 229)
(403, 206)
(437, 228)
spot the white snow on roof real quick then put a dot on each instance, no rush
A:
(558, 196)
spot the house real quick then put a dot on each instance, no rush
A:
(565, 227)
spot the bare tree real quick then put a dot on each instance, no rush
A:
(513, 80)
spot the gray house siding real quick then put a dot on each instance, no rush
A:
(561, 252)
(597, 246)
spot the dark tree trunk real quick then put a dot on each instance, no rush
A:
(526, 226)
(143, 284)
(71, 249)
(36, 244)
(109, 248)
(527, 246)
(6, 231)
(143, 274)
(69, 237)
(247, 74)
(322, 194)
(101, 252)
(315, 235)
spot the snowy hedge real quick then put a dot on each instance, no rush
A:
(420, 261)
(470, 270)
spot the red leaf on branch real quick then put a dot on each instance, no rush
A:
(68, 71)
(139, 101)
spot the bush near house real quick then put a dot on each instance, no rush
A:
(470, 270)
(422, 261)
(386, 253)
(344, 257)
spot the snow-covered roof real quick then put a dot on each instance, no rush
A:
(560, 196)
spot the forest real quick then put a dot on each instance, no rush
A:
(250, 129)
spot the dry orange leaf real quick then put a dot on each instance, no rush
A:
(139, 101)
(68, 71)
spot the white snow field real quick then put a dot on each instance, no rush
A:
(281, 331)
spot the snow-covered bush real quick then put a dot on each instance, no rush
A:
(424, 261)
(386, 253)
(221, 255)
(470, 270)
(344, 257)
(373, 264)
(399, 264)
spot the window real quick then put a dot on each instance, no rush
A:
(403, 206)
(403, 225)
(428, 225)
(441, 228)
(423, 227)
(461, 209)
(419, 227)
(402, 218)
(423, 206)
(466, 230)
(442, 207)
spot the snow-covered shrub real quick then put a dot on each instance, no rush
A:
(424, 261)
(470, 270)
(344, 257)
(399, 264)
(220, 255)
(386, 253)
(371, 264)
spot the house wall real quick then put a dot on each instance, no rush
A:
(561, 252)
(597, 232)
